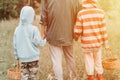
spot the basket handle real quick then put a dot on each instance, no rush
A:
(17, 64)
(109, 53)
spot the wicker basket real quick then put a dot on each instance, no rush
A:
(14, 73)
(111, 64)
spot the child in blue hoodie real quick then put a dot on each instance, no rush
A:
(27, 40)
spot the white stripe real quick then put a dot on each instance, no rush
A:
(77, 30)
(83, 0)
(93, 37)
(92, 23)
(89, 5)
(78, 24)
(91, 45)
(92, 16)
(96, 9)
(95, 30)
(94, 44)
(79, 18)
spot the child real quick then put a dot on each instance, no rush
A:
(90, 24)
(27, 40)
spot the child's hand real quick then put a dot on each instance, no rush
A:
(76, 36)
(107, 47)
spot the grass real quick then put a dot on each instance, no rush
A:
(7, 57)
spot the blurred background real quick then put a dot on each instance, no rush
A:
(11, 8)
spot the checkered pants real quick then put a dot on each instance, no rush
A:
(29, 70)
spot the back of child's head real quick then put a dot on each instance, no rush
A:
(27, 15)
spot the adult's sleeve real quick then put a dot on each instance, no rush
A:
(77, 8)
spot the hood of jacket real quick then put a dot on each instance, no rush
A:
(89, 4)
(27, 15)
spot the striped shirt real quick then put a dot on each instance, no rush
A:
(90, 24)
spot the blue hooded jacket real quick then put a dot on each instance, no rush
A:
(27, 38)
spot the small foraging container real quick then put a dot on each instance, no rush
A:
(111, 63)
(14, 73)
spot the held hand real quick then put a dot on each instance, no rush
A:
(76, 37)
(44, 36)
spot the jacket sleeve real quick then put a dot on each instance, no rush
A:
(15, 48)
(37, 39)
(43, 13)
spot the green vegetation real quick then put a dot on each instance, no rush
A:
(11, 8)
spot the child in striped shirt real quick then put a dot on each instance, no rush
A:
(91, 26)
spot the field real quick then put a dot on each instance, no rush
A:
(7, 58)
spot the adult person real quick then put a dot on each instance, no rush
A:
(57, 20)
(91, 26)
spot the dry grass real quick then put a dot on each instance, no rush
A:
(7, 57)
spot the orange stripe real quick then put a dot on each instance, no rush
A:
(94, 41)
(78, 27)
(91, 47)
(93, 26)
(94, 34)
(92, 19)
(78, 20)
(89, 1)
(90, 27)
